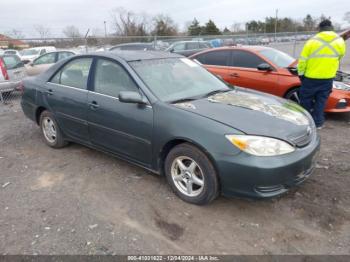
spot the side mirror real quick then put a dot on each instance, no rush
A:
(264, 67)
(171, 50)
(132, 98)
(31, 64)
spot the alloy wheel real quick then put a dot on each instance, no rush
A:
(49, 129)
(187, 176)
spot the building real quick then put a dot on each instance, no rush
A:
(6, 41)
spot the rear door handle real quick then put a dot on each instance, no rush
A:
(94, 105)
(234, 75)
(49, 92)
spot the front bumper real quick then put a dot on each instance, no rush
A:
(334, 104)
(262, 177)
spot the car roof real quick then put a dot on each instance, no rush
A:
(190, 41)
(245, 47)
(134, 55)
(139, 43)
(239, 47)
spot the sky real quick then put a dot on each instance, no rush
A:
(56, 14)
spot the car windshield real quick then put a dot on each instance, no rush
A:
(30, 52)
(175, 79)
(279, 58)
(10, 52)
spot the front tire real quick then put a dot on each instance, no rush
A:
(191, 175)
(51, 132)
(293, 95)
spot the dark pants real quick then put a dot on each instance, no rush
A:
(313, 97)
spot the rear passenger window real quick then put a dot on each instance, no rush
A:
(219, 58)
(74, 74)
(111, 78)
(245, 59)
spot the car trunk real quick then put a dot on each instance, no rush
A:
(15, 67)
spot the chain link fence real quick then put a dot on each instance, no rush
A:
(290, 43)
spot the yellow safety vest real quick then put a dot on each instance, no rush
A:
(321, 56)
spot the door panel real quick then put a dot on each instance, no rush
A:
(69, 106)
(37, 69)
(254, 79)
(243, 72)
(122, 128)
(66, 95)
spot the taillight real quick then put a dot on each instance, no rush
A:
(21, 87)
(3, 69)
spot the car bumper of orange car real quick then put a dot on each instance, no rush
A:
(338, 101)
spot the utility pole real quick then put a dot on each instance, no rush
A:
(276, 24)
(104, 22)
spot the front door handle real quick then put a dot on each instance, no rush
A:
(94, 105)
(234, 75)
(49, 92)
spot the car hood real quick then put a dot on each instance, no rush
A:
(255, 113)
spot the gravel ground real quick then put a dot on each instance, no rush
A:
(79, 201)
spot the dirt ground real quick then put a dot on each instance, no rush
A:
(79, 201)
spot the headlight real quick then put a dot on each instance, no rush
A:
(260, 146)
(341, 86)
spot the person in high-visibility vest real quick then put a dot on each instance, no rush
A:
(317, 67)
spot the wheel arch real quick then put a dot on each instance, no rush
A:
(167, 147)
(290, 89)
(38, 112)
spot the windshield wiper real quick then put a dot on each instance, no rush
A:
(183, 100)
(217, 92)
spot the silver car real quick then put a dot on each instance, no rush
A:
(12, 72)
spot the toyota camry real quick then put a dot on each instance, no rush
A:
(170, 115)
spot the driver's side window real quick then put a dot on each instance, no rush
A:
(111, 78)
(45, 59)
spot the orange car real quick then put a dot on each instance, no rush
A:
(265, 69)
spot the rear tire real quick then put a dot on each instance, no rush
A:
(51, 132)
(191, 175)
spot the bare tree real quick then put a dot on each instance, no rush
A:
(128, 23)
(71, 31)
(43, 31)
(236, 27)
(347, 17)
(14, 33)
(164, 26)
